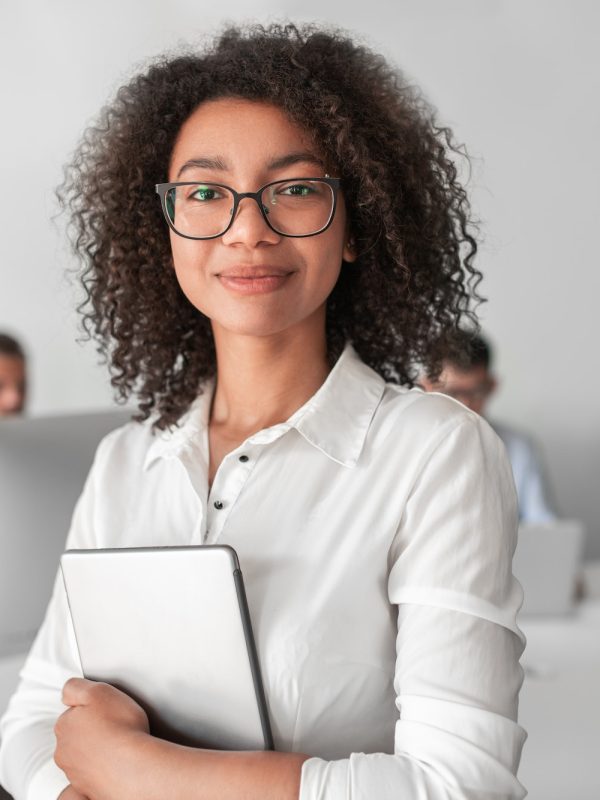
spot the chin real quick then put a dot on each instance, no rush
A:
(254, 325)
(264, 316)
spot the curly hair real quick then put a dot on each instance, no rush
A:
(399, 303)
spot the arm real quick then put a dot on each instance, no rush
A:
(211, 774)
(105, 749)
(457, 674)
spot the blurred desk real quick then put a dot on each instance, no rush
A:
(560, 704)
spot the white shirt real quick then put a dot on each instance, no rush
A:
(375, 530)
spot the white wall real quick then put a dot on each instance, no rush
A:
(517, 80)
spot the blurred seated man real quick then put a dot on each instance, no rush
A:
(12, 376)
(472, 382)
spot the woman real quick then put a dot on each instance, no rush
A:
(317, 247)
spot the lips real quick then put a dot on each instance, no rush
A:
(252, 272)
(259, 279)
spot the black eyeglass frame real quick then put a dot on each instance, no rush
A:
(162, 189)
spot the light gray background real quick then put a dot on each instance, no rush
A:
(518, 81)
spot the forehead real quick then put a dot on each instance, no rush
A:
(244, 133)
(453, 376)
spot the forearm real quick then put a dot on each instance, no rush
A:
(185, 773)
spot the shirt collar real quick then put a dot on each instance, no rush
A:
(189, 433)
(335, 419)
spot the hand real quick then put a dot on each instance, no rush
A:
(71, 794)
(96, 739)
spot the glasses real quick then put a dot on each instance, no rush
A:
(295, 207)
(474, 394)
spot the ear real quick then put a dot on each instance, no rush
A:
(493, 385)
(349, 253)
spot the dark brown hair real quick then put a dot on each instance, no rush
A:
(413, 281)
(471, 350)
(9, 346)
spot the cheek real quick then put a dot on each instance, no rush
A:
(324, 265)
(326, 276)
(186, 253)
(189, 256)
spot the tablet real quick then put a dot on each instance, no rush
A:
(170, 626)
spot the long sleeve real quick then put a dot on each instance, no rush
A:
(457, 673)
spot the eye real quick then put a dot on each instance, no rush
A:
(205, 193)
(297, 190)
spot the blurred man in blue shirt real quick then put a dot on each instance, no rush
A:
(472, 382)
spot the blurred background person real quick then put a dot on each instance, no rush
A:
(470, 379)
(13, 378)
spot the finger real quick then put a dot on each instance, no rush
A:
(61, 721)
(76, 691)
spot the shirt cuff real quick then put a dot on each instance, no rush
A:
(320, 778)
(47, 783)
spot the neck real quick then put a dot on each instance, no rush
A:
(262, 380)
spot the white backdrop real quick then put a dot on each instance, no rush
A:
(517, 80)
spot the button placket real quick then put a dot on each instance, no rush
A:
(195, 468)
(229, 481)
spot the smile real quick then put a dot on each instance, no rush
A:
(254, 281)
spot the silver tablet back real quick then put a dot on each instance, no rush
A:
(170, 627)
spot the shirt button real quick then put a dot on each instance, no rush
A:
(218, 505)
(243, 459)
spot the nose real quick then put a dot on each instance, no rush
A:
(249, 226)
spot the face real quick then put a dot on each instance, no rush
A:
(472, 387)
(12, 385)
(253, 281)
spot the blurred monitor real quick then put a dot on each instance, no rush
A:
(43, 465)
(547, 562)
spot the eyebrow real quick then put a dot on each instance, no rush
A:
(218, 163)
(205, 163)
(303, 157)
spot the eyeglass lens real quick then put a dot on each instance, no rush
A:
(295, 208)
